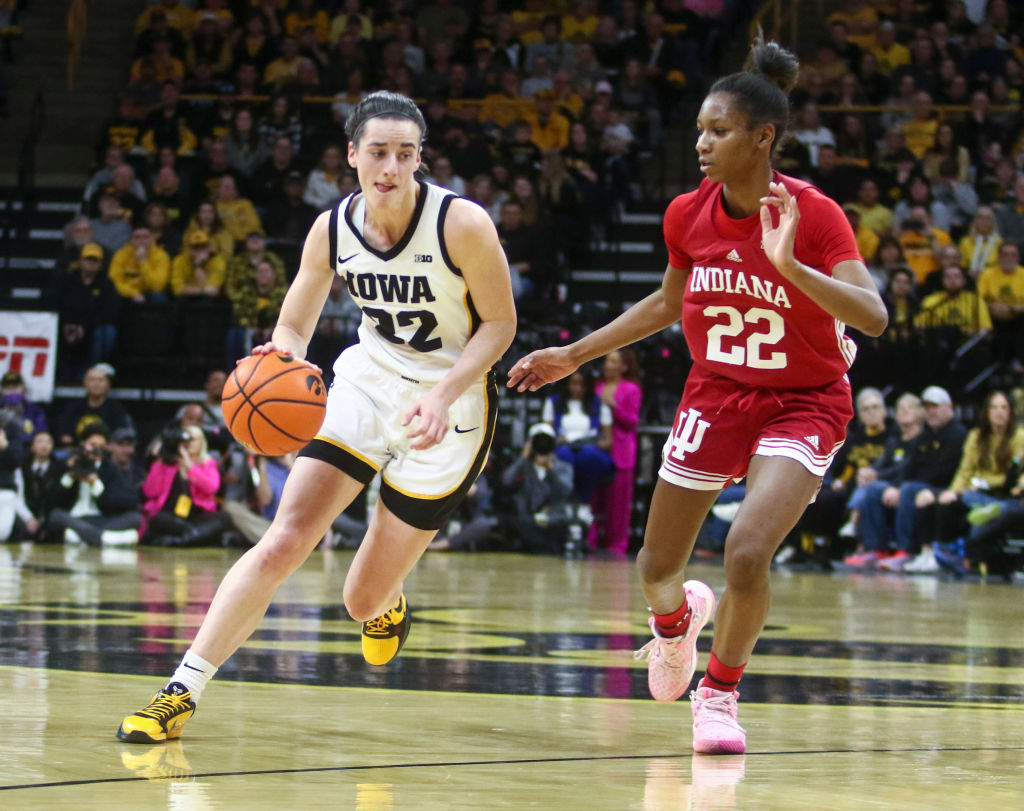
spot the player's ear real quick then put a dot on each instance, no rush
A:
(766, 135)
(352, 154)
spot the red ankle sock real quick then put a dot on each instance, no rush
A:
(674, 624)
(722, 677)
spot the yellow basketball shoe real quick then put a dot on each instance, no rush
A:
(384, 636)
(163, 720)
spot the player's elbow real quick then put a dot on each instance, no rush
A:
(875, 321)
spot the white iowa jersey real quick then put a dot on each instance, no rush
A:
(417, 312)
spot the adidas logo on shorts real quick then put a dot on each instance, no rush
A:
(812, 441)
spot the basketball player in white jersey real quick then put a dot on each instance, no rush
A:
(413, 399)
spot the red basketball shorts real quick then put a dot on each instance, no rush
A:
(721, 423)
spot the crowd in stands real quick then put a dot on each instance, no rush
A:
(227, 142)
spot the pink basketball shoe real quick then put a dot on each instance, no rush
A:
(671, 662)
(715, 729)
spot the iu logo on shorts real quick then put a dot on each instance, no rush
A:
(689, 433)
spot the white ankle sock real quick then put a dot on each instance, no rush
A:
(194, 671)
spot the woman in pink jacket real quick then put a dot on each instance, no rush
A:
(613, 504)
(180, 491)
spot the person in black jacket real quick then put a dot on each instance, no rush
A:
(88, 305)
(873, 479)
(97, 406)
(931, 464)
(100, 500)
(40, 474)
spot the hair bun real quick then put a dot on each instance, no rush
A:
(773, 62)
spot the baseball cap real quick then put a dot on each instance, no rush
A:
(197, 238)
(91, 250)
(481, 44)
(603, 87)
(936, 395)
(103, 368)
(122, 435)
(12, 379)
(545, 94)
(540, 428)
(294, 177)
(256, 232)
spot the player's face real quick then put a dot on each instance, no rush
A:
(385, 159)
(727, 149)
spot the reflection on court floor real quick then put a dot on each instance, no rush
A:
(516, 688)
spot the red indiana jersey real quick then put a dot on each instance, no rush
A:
(741, 318)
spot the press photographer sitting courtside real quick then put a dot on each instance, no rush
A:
(98, 504)
(180, 489)
(541, 485)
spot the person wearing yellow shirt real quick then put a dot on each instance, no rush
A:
(197, 271)
(889, 52)
(238, 213)
(861, 21)
(979, 247)
(177, 14)
(339, 24)
(549, 129)
(506, 106)
(1002, 289)
(581, 24)
(285, 69)
(873, 214)
(920, 130)
(922, 243)
(954, 306)
(867, 240)
(141, 269)
(307, 15)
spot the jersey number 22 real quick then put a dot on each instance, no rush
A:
(751, 352)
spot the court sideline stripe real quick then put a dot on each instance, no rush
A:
(580, 759)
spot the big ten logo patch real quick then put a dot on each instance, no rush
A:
(688, 433)
(424, 257)
(27, 354)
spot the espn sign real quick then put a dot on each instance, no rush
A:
(28, 344)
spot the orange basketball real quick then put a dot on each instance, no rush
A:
(273, 404)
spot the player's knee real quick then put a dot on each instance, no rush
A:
(746, 565)
(283, 549)
(360, 604)
(655, 568)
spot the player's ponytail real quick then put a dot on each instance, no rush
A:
(761, 91)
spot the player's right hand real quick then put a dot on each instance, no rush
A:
(270, 347)
(540, 368)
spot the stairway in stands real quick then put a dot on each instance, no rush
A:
(31, 240)
(627, 264)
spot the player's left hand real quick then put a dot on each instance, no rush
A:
(778, 241)
(432, 410)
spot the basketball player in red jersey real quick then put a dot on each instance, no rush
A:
(765, 273)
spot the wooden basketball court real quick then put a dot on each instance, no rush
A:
(516, 689)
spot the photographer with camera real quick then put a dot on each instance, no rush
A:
(97, 503)
(180, 488)
(541, 486)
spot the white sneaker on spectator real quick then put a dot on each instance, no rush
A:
(726, 512)
(848, 530)
(584, 514)
(924, 563)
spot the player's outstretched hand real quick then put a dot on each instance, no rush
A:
(540, 368)
(779, 241)
(432, 410)
(270, 347)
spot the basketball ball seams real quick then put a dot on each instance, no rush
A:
(286, 423)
